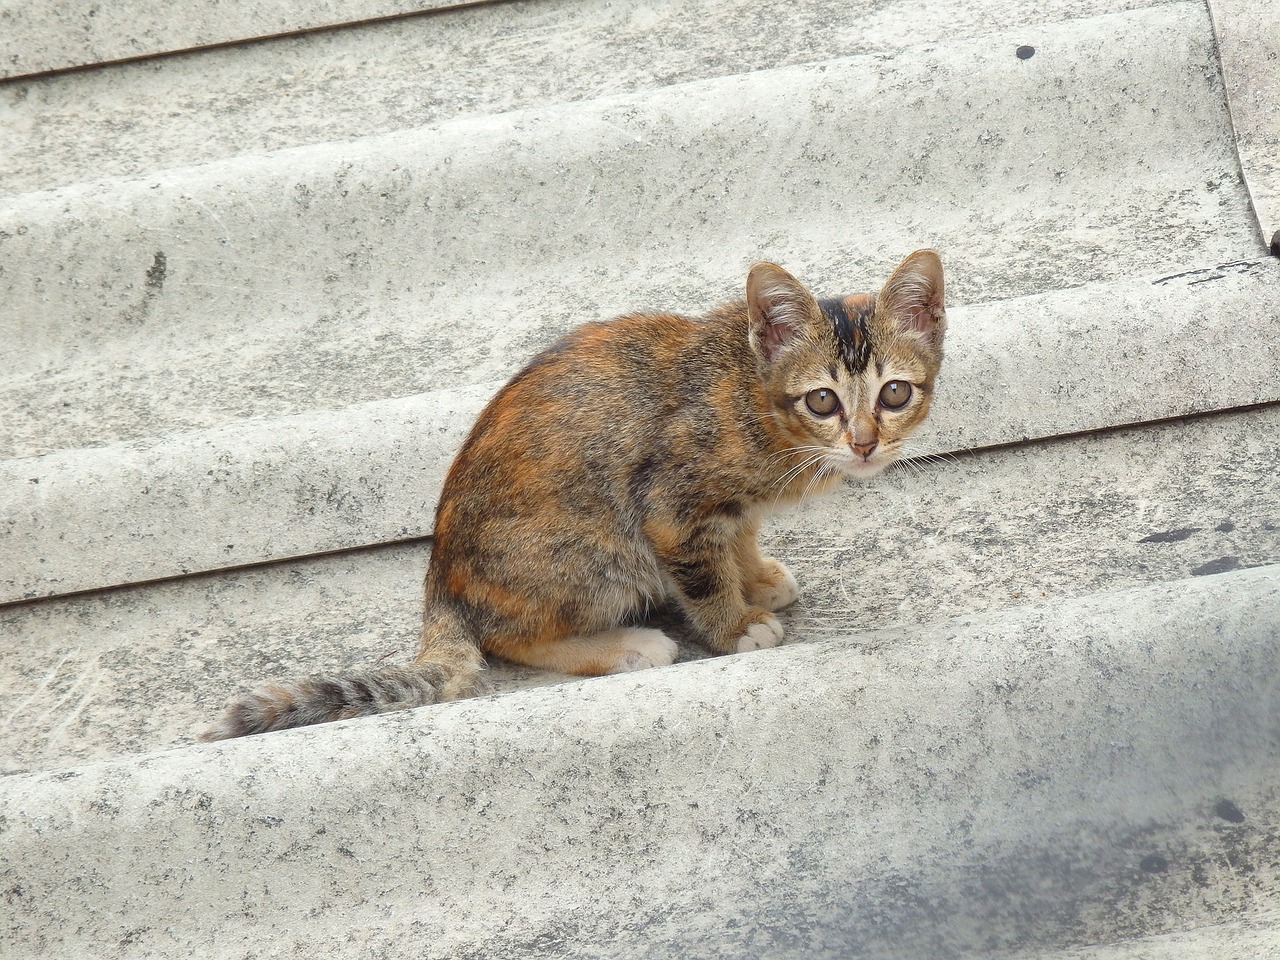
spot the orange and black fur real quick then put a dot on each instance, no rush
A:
(630, 463)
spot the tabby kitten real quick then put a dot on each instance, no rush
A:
(631, 462)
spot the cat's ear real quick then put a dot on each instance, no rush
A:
(913, 295)
(779, 308)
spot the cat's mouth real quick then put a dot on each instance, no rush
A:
(858, 467)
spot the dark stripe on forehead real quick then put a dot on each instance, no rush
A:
(849, 318)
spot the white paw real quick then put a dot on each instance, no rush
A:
(779, 588)
(644, 648)
(761, 636)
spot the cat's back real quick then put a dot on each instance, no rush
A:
(585, 406)
(608, 359)
(600, 377)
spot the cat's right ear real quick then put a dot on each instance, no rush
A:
(778, 306)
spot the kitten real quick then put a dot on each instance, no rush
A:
(631, 462)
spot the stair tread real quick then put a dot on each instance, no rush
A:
(138, 669)
(44, 35)
(482, 58)
(263, 286)
(1043, 778)
(273, 488)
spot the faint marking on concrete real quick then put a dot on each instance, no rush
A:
(43, 685)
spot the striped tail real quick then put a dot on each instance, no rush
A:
(325, 698)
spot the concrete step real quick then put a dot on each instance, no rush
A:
(1028, 782)
(42, 35)
(135, 118)
(264, 286)
(1248, 41)
(138, 670)
(277, 488)
(377, 269)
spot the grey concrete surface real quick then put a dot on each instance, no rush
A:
(138, 670)
(42, 35)
(491, 58)
(342, 273)
(272, 489)
(265, 286)
(1241, 940)
(1248, 38)
(251, 296)
(1091, 770)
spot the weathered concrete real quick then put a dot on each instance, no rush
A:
(271, 489)
(1248, 37)
(139, 670)
(490, 58)
(1060, 775)
(343, 273)
(41, 35)
(1004, 757)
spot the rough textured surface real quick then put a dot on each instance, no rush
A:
(138, 670)
(354, 273)
(488, 58)
(272, 489)
(317, 278)
(1244, 940)
(1248, 35)
(251, 296)
(1055, 776)
(40, 35)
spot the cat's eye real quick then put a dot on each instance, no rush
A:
(895, 394)
(822, 401)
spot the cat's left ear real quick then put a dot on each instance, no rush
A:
(779, 308)
(913, 295)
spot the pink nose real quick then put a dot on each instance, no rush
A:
(864, 449)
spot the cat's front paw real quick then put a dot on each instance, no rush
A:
(764, 633)
(776, 587)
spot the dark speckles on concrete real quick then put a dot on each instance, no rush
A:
(1171, 536)
(157, 270)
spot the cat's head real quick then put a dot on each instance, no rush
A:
(849, 378)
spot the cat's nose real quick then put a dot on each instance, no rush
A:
(864, 449)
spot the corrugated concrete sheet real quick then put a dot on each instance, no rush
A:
(252, 296)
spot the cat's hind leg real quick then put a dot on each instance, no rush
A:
(620, 650)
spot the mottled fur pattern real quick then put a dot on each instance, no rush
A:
(631, 463)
